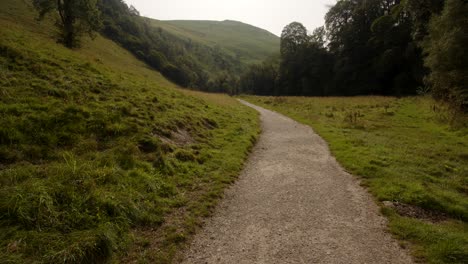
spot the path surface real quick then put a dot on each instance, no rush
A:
(294, 204)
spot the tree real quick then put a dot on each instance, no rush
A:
(293, 40)
(134, 11)
(293, 36)
(348, 26)
(317, 70)
(398, 62)
(319, 36)
(445, 47)
(75, 18)
(260, 79)
(338, 21)
(421, 12)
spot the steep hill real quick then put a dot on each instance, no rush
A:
(249, 43)
(210, 57)
(100, 154)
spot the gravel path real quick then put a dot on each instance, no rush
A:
(294, 204)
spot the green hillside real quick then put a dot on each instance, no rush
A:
(101, 158)
(202, 55)
(249, 43)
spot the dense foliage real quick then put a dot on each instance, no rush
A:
(447, 58)
(384, 47)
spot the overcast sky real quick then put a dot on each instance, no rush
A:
(271, 15)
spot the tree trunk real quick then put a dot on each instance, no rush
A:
(68, 21)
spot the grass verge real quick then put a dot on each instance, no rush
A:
(405, 153)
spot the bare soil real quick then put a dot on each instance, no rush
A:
(413, 211)
(294, 203)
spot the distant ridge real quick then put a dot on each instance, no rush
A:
(223, 22)
(249, 43)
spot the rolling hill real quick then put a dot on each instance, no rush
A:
(249, 43)
(100, 154)
(203, 55)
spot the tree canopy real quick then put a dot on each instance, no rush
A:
(293, 37)
(447, 58)
(75, 18)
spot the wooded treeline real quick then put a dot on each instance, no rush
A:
(381, 47)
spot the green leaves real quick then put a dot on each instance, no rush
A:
(44, 6)
(75, 18)
(293, 36)
(445, 47)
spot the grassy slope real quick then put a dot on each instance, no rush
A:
(404, 153)
(252, 44)
(95, 147)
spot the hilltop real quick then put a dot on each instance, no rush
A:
(249, 43)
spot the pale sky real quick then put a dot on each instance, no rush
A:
(271, 15)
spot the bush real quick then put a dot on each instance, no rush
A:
(156, 60)
(176, 75)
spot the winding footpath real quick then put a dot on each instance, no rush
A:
(294, 203)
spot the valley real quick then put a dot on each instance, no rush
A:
(128, 139)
